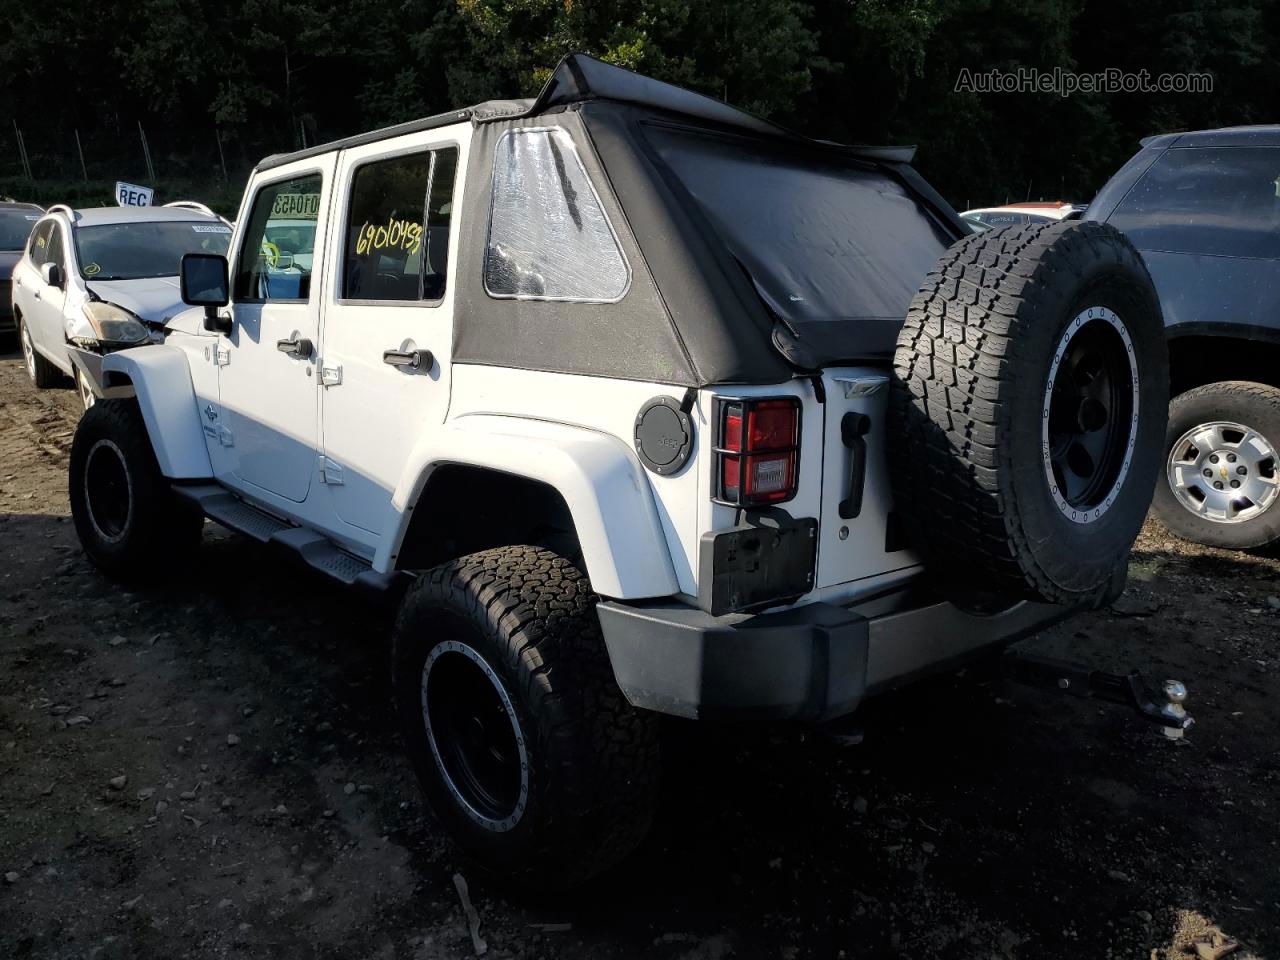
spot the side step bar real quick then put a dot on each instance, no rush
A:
(317, 550)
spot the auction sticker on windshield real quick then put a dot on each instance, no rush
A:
(210, 228)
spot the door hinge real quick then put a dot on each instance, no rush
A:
(330, 472)
(330, 376)
(221, 355)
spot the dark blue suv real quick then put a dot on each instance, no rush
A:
(1204, 210)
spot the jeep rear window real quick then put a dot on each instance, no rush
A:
(827, 245)
(1216, 201)
(549, 237)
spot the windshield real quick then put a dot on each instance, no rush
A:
(15, 227)
(837, 250)
(136, 251)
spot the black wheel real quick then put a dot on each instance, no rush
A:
(129, 521)
(42, 373)
(1221, 480)
(1028, 411)
(527, 752)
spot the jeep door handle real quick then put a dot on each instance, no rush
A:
(300, 348)
(413, 359)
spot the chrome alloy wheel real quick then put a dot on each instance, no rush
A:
(28, 350)
(87, 396)
(1224, 471)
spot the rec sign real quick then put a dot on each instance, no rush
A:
(132, 195)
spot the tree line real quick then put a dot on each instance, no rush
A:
(217, 84)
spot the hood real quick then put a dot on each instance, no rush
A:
(153, 299)
(8, 260)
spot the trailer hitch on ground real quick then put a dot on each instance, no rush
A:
(1163, 708)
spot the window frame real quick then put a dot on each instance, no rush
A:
(348, 201)
(234, 264)
(604, 212)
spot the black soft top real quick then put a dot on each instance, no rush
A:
(579, 77)
(713, 297)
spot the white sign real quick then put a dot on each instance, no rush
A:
(299, 206)
(132, 195)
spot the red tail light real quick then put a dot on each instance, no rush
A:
(757, 451)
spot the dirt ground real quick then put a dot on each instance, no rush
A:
(208, 768)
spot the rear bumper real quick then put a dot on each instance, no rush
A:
(814, 662)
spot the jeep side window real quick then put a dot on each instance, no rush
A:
(276, 254)
(1216, 201)
(397, 245)
(549, 238)
(39, 248)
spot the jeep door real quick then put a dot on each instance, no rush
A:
(267, 383)
(388, 324)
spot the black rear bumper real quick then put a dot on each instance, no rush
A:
(814, 662)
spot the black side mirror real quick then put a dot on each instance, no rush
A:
(205, 284)
(51, 274)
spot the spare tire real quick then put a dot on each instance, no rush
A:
(1027, 411)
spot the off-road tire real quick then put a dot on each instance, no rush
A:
(1255, 405)
(43, 374)
(972, 374)
(130, 522)
(592, 759)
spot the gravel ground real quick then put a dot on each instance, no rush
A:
(208, 768)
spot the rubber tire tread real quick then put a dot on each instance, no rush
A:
(163, 529)
(593, 757)
(46, 374)
(969, 376)
(1256, 405)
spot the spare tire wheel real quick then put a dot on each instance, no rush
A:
(1028, 409)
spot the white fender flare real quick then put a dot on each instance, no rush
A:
(161, 381)
(623, 546)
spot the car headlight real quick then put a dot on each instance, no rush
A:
(114, 324)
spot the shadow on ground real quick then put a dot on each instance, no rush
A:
(974, 821)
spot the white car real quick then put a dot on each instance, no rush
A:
(92, 281)
(1019, 214)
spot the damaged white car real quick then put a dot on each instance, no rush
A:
(97, 280)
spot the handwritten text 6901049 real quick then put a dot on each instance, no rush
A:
(402, 234)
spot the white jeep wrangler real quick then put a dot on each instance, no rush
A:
(615, 384)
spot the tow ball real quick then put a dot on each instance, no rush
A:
(1163, 708)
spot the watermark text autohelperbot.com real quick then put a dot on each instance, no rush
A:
(1066, 82)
